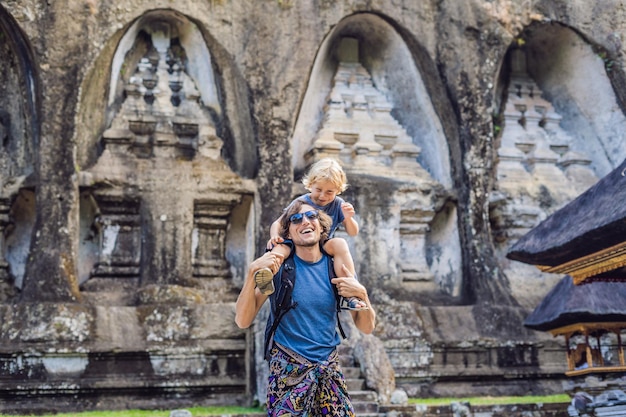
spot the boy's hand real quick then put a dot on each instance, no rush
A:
(348, 210)
(275, 240)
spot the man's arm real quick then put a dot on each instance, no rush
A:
(365, 320)
(250, 299)
(347, 286)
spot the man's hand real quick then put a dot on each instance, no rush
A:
(268, 260)
(250, 298)
(348, 286)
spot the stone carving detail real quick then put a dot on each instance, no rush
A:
(358, 127)
(5, 126)
(359, 130)
(15, 168)
(537, 170)
(5, 221)
(209, 238)
(120, 237)
(414, 224)
(17, 218)
(162, 114)
(162, 149)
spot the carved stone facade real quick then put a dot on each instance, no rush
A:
(148, 146)
(359, 130)
(535, 157)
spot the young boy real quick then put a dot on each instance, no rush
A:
(324, 181)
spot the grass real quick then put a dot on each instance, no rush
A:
(220, 411)
(542, 399)
(195, 412)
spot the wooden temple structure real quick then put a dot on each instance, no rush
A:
(586, 240)
(592, 318)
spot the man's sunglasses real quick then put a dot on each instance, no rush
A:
(298, 217)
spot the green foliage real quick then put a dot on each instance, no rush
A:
(544, 399)
(285, 4)
(497, 120)
(608, 61)
(222, 411)
(195, 412)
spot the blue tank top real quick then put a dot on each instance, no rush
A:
(310, 329)
(333, 209)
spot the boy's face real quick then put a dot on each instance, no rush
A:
(323, 192)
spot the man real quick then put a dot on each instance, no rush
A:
(305, 378)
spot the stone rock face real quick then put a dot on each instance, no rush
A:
(379, 374)
(148, 145)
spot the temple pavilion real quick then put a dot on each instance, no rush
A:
(586, 240)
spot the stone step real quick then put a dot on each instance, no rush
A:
(399, 410)
(364, 396)
(345, 349)
(365, 407)
(365, 402)
(355, 384)
(351, 372)
(610, 411)
(346, 361)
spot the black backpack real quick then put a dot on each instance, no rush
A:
(282, 303)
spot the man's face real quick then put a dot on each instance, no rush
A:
(308, 231)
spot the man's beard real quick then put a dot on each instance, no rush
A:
(305, 243)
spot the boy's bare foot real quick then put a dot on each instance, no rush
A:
(264, 279)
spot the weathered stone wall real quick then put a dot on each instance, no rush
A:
(148, 145)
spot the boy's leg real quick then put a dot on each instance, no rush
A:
(264, 278)
(339, 250)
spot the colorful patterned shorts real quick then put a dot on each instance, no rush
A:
(298, 387)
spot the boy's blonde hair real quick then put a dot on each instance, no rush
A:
(327, 169)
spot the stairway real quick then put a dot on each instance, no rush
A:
(364, 401)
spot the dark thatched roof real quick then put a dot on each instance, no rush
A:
(594, 221)
(569, 304)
